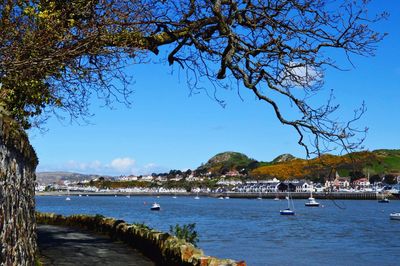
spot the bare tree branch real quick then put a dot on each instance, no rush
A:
(56, 54)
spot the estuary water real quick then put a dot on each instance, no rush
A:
(341, 232)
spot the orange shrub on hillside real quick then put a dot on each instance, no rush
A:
(288, 170)
(299, 168)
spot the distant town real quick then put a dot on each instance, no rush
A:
(204, 184)
(232, 172)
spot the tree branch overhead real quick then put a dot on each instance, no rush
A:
(55, 54)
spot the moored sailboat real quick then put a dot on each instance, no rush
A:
(68, 198)
(277, 197)
(197, 196)
(383, 199)
(311, 201)
(290, 209)
(259, 196)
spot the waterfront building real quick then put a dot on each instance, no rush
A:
(229, 182)
(147, 178)
(361, 183)
(128, 178)
(339, 183)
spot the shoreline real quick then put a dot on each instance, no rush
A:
(236, 195)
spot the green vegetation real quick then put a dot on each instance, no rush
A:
(143, 226)
(390, 160)
(98, 217)
(225, 162)
(355, 165)
(376, 163)
(38, 262)
(186, 232)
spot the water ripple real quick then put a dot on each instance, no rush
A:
(357, 233)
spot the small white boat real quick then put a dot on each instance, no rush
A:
(174, 197)
(277, 198)
(395, 216)
(226, 197)
(128, 196)
(311, 202)
(155, 207)
(220, 197)
(384, 200)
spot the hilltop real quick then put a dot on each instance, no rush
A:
(227, 161)
(283, 158)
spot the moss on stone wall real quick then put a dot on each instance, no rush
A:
(15, 138)
(162, 248)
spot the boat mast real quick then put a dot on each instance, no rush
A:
(288, 196)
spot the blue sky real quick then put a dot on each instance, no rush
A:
(165, 128)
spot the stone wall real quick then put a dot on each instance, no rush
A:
(162, 248)
(18, 162)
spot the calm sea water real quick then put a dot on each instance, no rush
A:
(339, 233)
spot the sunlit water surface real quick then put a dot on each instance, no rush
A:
(338, 233)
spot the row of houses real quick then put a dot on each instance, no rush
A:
(233, 178)
(338, 184)
(234, 183)
(275, 186)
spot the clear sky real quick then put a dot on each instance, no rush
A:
(167, 129)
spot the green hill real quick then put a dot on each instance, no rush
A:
(228, 161)
(355, 165)
(387, 161)
(286, 166)
(283, 158)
